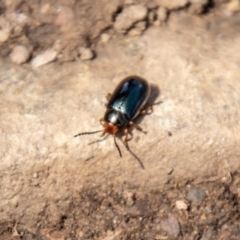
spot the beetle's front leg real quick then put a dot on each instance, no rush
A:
(102, 122)
(108, 96)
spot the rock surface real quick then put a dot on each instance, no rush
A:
(51, 180)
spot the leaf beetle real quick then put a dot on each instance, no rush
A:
(124, 105)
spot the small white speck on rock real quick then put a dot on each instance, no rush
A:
(181, 205)
(105, 37)
(35, 175)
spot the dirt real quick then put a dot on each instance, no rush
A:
(112, 211)
(105, 212)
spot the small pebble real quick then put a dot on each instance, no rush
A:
(129, 197)
(197, 6)
(45, 8)
(65, 15)
(138, 29)
(4, 36)
(181, 205)
(28, 236)
(20, 19)
(233, 6)
(171, 225)
(14, 201)
(20, 54)
(58, 45)
(151, 17)
(5, 30)
(58, 235)
(208, 234)
(35, 175)
(129, 16)
(86, 54)
(196, 195)
(161, 14)
(176, 4)
(140, 208)
(105, 37)
(44, 58)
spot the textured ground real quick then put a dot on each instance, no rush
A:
(54, 186)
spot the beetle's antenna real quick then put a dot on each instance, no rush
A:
(87, 133)
(99, 140)
(119, 151)
(134, 155)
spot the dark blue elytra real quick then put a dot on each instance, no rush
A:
(126, 101)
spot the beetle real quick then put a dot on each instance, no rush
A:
(124, 105)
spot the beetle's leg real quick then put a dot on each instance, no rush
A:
(115, 142)
(137, 127)
(102, 122)
(108, 96)
(147, 110)
(134, 155)
(103, 133)
(126, 138)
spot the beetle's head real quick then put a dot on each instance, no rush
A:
(108, 128)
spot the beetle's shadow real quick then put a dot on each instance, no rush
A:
(152, 101)
(154, 94)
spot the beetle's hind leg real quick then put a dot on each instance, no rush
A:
(125, 140)
(136, 126)
(148, 109)
(126, 137)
